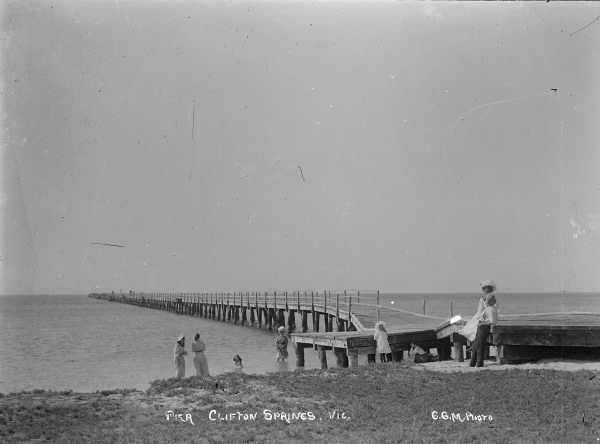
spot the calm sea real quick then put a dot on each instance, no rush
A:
(79, 343)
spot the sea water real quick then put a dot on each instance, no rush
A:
(83, 344)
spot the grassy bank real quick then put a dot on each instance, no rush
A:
(381, 403)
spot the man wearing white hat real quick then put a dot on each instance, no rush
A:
(469, 331)
(179, 353)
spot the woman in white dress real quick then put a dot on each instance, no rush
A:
(383, 345)
(179, 359)
(200, 362)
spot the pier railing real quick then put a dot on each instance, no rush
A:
(363, 309)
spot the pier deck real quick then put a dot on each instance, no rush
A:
(349, 320)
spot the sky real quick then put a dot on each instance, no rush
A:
(400, 146)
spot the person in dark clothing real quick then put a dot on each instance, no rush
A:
(488, 318)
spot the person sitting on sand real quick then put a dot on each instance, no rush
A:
(237, 364)
(487, 320)
(469, 331)
(281, 343)
(383, 344)
(200, 362)
(419, 355)
(179, 359)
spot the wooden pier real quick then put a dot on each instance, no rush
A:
(344, 323)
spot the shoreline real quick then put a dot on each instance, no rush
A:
(381, 402)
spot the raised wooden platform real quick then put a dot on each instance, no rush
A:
(522, 338)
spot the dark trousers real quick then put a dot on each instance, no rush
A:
(478, 349)
(385, 357)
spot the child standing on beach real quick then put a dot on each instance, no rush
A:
(237, 364)
(383, 345)
(281, 344)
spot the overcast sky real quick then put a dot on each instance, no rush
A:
(242, 146)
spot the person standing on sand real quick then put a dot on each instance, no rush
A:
(469, 331)
(381, 338)
(179, 353)
(237, 364)
(487, 320)
(200, 363)
(281, 343)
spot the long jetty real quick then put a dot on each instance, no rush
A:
(343, 322)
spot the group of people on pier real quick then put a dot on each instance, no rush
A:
(476, 330)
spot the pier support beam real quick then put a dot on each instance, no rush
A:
(353, 357)
(457, 347)
(322, 357)
(397, 355)
(280, 318)
(443, 349)
(252, 319)
(300, 356)
(291, 321)
(316, 320)
(304, 321)
(327, 319)
(371, 358)
(340, 357)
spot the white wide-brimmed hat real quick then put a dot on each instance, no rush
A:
(280, 329)
(488, 283)
(180, 337)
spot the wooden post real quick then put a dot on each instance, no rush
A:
(322, 357)
(299, 355)
(451, 308)
(443, 349)
(371, 358)
(339, 356)
(337, 305)
(424, 302)
(317, 315)
(457, 348)
(291, 321)
(353, 357)
(259, 315)
(378, 310)
(349, 311)
(304, 321)
(358, 297)
(286, 302)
